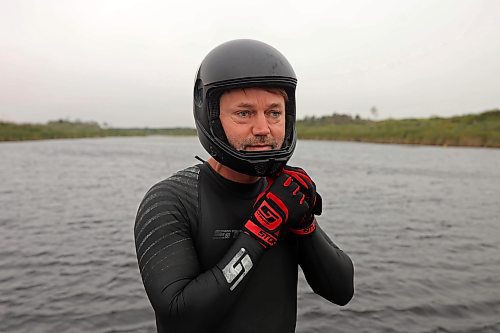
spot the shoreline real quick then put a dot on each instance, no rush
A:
(300, 139)
(473, 130)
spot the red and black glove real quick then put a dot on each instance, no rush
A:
(281, 202)
(308, 224)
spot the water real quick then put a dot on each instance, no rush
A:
(421, 224)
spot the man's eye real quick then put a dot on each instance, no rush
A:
(243, 114)
(275, 114)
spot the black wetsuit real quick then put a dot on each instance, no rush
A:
(202, 274)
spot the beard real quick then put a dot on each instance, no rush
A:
(244, 144)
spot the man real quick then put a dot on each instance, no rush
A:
(219, 243)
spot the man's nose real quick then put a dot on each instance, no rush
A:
(260, 125)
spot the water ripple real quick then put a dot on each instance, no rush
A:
(420, 225)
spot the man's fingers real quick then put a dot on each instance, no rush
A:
(298, 177)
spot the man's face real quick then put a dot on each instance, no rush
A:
(253, 118)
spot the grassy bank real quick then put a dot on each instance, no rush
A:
(478, 130)
(66, 129)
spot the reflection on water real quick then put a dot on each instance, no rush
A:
(420, 223)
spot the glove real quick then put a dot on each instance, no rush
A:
(281, 202)
(308, 224)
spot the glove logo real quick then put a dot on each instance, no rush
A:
(237, 268)
(267, 216)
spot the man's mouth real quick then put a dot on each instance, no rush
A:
(258, 147)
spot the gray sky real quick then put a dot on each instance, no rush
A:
(132, 63)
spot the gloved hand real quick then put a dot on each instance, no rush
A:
(308, 224)
(281, 202)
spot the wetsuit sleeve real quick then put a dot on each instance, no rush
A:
(184, 297)
(328, 270)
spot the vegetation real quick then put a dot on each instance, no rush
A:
(478, 130)
(77, 129)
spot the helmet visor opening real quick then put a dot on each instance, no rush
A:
(217, 130)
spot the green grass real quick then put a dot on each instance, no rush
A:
(481, 130)
(475, 130)
(66, 129)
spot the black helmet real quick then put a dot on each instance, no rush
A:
(242, 63)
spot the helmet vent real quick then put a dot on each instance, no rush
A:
(198, 93)
(260, 169)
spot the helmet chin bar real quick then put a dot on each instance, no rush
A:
(254, 163)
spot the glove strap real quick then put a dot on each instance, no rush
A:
(265, 238)
(305, 231)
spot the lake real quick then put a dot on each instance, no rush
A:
(422, 225)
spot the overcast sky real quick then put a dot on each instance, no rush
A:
(132, 63)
